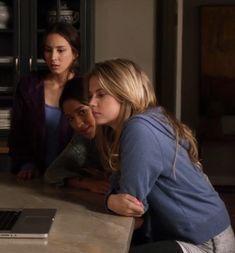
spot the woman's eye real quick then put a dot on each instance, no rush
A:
(70, 119)
(83, 112)
(61, 50)
(101, 94)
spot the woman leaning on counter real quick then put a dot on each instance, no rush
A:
(155, 166)
(78, 165)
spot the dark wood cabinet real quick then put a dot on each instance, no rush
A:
(21, 38)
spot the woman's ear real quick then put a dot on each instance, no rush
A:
(76, 55)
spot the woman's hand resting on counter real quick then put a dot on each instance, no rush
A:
(100, 186)
(25, 174)
(125, 204)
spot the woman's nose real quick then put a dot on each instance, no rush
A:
(78, 123)
(53, 55)
(92, 102)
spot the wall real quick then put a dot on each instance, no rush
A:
(191, 58)
(125, 28)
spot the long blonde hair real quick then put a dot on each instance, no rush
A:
(129, 85)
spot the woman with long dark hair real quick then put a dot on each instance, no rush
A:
(39, 130)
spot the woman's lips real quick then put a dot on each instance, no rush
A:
(86, 131)
(96, 114)
(55, 66)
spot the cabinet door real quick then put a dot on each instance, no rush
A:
(32, 26)
(9, 59)
(10, 49)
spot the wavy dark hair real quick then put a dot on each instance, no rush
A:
(76, 89)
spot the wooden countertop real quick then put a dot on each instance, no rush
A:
(81, 223)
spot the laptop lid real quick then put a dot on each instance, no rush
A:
(26, 222)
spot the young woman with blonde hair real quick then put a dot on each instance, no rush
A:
(157, 174)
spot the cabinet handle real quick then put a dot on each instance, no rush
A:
(30, 64)
(17, 64)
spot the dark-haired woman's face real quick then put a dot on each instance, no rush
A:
(58, 54)
(80, 118)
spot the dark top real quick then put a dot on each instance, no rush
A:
(28, 135)
(79, 159)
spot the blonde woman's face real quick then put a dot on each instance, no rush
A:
(105, 107)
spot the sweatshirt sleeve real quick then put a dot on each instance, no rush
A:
(69, 163)
(140, 159)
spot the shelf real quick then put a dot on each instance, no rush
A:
(6, 89)
(41, 61)
(6, 59)
(6, 30)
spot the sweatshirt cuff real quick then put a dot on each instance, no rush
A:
(106, 201)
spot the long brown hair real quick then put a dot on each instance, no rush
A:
(70, 34)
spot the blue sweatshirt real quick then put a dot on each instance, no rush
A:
(179, 201)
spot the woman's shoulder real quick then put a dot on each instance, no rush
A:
(152, 115)
(31, 81)
(153, 119)
(78, 143)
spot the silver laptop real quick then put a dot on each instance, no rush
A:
(26, 222)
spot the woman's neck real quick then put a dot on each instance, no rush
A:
(53, 87)
(60, 79)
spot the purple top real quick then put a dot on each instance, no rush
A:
(28, 138)
(53, 115)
